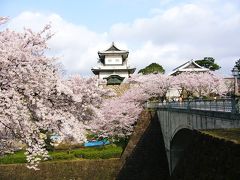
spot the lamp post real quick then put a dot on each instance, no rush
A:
(235, 73)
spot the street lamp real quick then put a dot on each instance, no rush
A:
(235, 73)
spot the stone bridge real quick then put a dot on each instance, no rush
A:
(178, 119)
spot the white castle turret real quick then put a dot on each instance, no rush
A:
(112, 65)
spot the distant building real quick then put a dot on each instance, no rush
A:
(113, 65)
(189, 66)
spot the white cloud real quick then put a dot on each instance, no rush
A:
(195, 30)
(75, 45)
(169, 37)
(161, 54)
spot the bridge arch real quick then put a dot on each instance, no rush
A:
(180, 127)
(178, 144)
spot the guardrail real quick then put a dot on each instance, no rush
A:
(221, 105)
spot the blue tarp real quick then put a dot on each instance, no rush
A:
(96, 143)
(55, 137)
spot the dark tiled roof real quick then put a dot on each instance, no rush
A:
(113, 48)
(192, 64)
(180, 66)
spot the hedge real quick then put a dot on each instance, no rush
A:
(106, 152)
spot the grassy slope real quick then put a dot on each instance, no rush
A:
(227, 134)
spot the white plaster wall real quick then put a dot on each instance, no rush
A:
(115, 60)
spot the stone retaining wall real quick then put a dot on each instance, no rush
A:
(209, 158)
(144, 157)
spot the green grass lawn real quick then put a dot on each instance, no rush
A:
(105, 152)
(227, 134)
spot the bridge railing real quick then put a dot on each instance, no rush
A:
(222, 105)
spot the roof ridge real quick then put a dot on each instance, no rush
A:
(113, 48)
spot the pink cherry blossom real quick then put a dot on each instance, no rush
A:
(200, 84)
(119, 114)
(34, 98)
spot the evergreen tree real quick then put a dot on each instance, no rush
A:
(208, 62)
(152, 68)
(237, 64)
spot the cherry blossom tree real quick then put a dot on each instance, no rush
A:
(27, 78)
(200, 84)
(3, 20)
(155, 85)
(117, 118)
(229, 83)
(34, 99)
(90, 95)
(119, 114)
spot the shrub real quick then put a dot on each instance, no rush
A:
(61, 156)
(99, 153)
(18, 157)
(67, 146)
(122, 142)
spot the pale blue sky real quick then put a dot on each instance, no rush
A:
(169, 32)
(96, 14)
